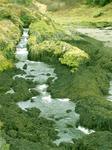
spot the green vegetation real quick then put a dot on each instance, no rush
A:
(12, 18)
(82, 64)
(67, 54)
(7, 43)
(4, 63)
(87, 86)
(22, 130)
(26, 2)
(97, 138)
(44, 40)
(84, 15)
(99, 2)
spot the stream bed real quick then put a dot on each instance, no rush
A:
(61, 111)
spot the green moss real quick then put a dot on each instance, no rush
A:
(27, 16)
(4, 63)
(88, 86)
(3, 144)
(69, 55)
(98, 140)
(9, 36)
(73, 58)
(24, 129)
(26, 2)
(43, 29)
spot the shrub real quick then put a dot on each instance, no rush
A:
(43, 30)
(26, 2)
(4, 63)
(74, 58)
(96, 141)
(99, 2)
(9, 36)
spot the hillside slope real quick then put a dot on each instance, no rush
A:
(82, 14)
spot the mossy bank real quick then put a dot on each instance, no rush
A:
(14, 15)
(83, 67)
(86, 83)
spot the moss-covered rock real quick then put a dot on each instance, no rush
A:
(74, 58)
(67, 54)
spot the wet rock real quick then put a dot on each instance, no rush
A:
(57, 119)
(68, 111)
(69, 126)
(51, 116)
(42, 74)
(65, 131)
(25, 66)
(32, 70)
(30, 76)
(32, 100)
(34, 92)
(48, 74)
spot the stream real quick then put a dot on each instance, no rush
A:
(104, 35)
(61, 111)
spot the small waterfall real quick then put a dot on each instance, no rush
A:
(21, 49)
(110, 92)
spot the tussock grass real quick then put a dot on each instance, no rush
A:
(38, 45)
(4, 63)
(9, 36)
(87, 87)
(13, 17)
(84, 15)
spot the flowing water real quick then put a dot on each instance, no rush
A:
(61, 111)
(104, 35)
(110, 92)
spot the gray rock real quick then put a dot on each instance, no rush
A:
(25, 66)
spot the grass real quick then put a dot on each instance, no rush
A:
(84, 15)
(4, 63)
(13, 17)
(87, 87)
(9, 36)
(46, 37)
(27, 126)
(88, 142)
